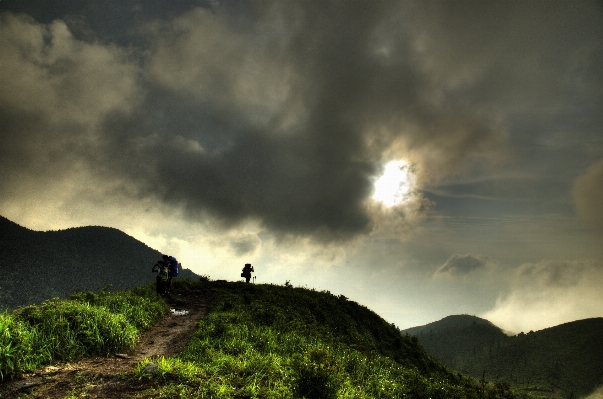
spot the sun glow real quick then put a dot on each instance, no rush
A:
(395, 185)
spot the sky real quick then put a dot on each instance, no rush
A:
(422, 158)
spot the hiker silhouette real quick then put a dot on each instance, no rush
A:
(162, 276)
(172, 270)
(247, 272)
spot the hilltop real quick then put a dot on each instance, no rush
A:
(453, 323)
(452, 338)
(36, 265)
(557, 361)
(252, 341)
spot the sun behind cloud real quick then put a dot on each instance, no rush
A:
(395, 185)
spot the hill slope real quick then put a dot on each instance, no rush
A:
(456, 340)
(452, 323)
(564, 359)
(256, 341)
(35, 265)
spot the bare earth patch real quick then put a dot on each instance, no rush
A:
(112, 377)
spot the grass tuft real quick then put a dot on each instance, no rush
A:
(87, 324)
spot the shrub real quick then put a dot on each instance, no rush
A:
(141, 307)
(17, 342)
(90, 323)
(72, 329)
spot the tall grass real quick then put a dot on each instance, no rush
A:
(87, 324)
(277, 342)
(18, 346)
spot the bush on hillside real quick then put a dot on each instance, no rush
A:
(90, 323)
(71, 329)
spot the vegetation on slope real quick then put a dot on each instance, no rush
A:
(259, 341)
(265, 341)
(453, 338)
(37, 265)
(559, 361)
(87, 324)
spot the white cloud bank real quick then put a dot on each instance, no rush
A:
(549, 293)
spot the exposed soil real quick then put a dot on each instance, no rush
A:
(113, 377)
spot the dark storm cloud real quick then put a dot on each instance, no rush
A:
(277, 112)
(56, 91)
(298, 93)
(109, 20)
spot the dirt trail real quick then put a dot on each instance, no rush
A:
(108, 377)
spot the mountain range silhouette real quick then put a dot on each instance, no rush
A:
(40, 265)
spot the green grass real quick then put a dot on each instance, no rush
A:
(18, 346)
(258, 341)
(265, 341)
(87, 324)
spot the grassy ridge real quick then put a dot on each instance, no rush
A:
(259, 341)
(88, 324)
(265, 341)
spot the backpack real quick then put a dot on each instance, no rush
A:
(160, 270)
(161, 278)
(173, 266)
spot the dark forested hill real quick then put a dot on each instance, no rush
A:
(454, 323)
(563, 359)
(35, 265)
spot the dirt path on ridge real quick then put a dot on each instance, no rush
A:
(110, 377)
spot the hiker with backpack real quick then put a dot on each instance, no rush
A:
(172, 270)
(247, 272)
(162, 275)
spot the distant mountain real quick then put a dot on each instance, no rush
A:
(449, 323)
(563, 360)
(35, 265)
